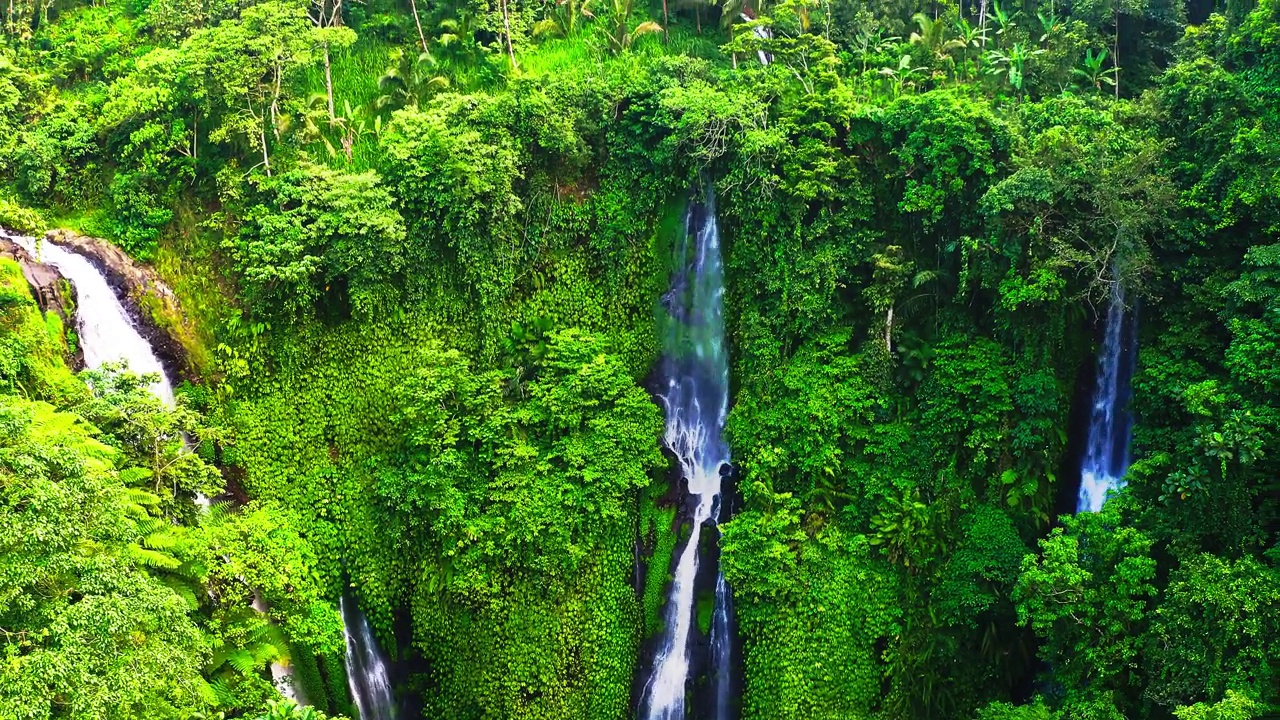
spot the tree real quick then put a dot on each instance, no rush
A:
(85, 631)
(152, 437)
(564, 20)
(1215, 632)
(518, 486)
(789, 38)
(249, 64)
(1088, 595)
(331, 35)
(315, 230)
(620, 34)
(409, 81)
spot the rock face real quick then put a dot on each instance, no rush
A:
(53, 293)
(148, 299)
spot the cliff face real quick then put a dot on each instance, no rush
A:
(53, 292)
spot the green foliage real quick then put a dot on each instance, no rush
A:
(86, 630)
(431, 290)
(1235, 706)
(314, 233)
(519, 488)
(1214, 632)
(1088, 596)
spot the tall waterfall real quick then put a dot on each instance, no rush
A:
(106, 332)
(366, 668)
(1106, 455)
(696, 401)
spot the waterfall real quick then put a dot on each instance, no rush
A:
(106, 332)
(1106, 455)
(366, 668)
(696, 402)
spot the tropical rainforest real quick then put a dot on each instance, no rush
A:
(420, 247)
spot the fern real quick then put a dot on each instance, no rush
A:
(244, 661)
(151, 558)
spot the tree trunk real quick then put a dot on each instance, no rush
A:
(413, 5)
(1116, 58)
(665, 22)
(506, 25)
(982, 22)
(888, 330)
(262, 136)
(275, 106)
(328, 82)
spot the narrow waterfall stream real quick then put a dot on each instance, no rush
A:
(695, 397)
(1106, 454)
(108, 334)
(366, 668)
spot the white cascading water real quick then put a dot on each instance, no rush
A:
(1106, 456)
(366, 669)
(696, 402)
(107, 334)
(105, 330)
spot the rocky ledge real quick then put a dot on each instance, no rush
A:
(53, 293)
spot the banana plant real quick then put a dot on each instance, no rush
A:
(903, 76)
(1011, 64)
(1093, 70)
(870, 44)
(1049, 25)
(1004, 20)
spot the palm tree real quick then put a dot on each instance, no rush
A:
(563, 21)
(933, 38)
(461, 52)
(407, 82)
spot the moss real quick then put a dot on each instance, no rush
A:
(656, 525)
(334, 670)
(306, 673)
(31, 350)
(706, 608)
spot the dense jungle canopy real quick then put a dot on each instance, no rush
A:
(421, 255)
